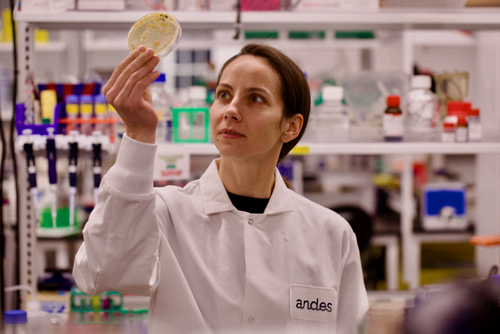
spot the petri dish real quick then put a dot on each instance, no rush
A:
(159, 31)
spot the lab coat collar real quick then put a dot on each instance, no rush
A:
(216, 199)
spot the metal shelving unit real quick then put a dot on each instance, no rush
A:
(471, 19)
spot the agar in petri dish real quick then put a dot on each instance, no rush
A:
(158, 31)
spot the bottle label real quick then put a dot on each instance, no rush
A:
(475, 131)
(393, 125)
(461, 134)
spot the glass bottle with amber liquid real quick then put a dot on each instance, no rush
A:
(393, 120)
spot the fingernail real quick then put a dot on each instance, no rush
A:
(149, 52)
(141, 48)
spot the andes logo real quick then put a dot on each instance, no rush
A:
(314, 305)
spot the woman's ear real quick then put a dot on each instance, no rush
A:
(291, 128)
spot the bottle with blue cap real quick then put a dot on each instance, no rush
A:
(15, 322)
(162, 103)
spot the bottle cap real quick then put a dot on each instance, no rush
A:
(474, 112)
(15, 317)
(462, 120)
(161, 79)
(86, 99)
(448, 125)
(197, 92)
(456, 108)
(332, 93)
(421, 81)
(393, 101)
(100, 99)
(73, 99)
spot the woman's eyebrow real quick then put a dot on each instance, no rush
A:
(225, 85)
(256, 89)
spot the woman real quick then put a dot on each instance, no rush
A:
(236, 249)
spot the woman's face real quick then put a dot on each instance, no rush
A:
(246, 115)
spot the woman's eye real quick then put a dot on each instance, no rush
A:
(256, 98)
(222, 95)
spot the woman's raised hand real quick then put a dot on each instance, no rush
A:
(128, 91)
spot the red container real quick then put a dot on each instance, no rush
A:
(249, 5)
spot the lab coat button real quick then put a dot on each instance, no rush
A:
(250, 221)
(250, 319)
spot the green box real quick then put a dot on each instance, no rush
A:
(190, 125)
(318, 34)
(250, 34)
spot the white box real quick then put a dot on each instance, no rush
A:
(101, 5)
(338, 5)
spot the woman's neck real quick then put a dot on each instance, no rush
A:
(247, 178)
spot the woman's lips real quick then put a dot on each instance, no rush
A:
(230, 134)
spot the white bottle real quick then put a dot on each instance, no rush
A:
(197, 97)
(38, 321)
(14, 322)
(162, 103)
(331, 120)
(422, 111)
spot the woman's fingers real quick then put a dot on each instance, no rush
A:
(121, 66)
(134, 87)
(131, 71)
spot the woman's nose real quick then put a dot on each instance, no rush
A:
(232, 111)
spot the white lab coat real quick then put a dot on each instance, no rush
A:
(211, 268)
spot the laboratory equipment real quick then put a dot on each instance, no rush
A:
(86, 113)
(15, 322)
(461, 130)
(162, 103)
(72, 169)
(100, 110)
(451, 87)
(190, 125)
(159, 31)
(52, 159)
(474, 126)
(422, 111)
(72, 110)
(329, 122)
(444, 206)
(97, 164)
(448, 135)
(393, 120)
(30, 161)
(38, 321)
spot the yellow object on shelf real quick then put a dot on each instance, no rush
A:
(48, 101)
(42, 36)
(6, 35)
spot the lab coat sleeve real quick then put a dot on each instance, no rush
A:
(122, 235)
(353, 299)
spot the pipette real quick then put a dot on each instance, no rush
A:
(73, 157)
(30, 161)
(51, 157)
(97, 167)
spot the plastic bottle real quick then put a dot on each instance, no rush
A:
(393, 120)
(462, 130)
(197, 97)
(101, 112)
(86, 113)
(162, 103)
(474, 126)
(38, 321)
(72, 110)
(15, 322)
(448, 135)
(454, 109)
(422, 110)
(332, 119)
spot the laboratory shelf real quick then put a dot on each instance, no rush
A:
(469, 19)
(362, 148)
(52, 46)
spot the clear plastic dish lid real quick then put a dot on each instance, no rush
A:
(158, 31)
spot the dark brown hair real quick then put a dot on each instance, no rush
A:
(294, 87)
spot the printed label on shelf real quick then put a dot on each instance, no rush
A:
(172, 163)
(300, 150)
